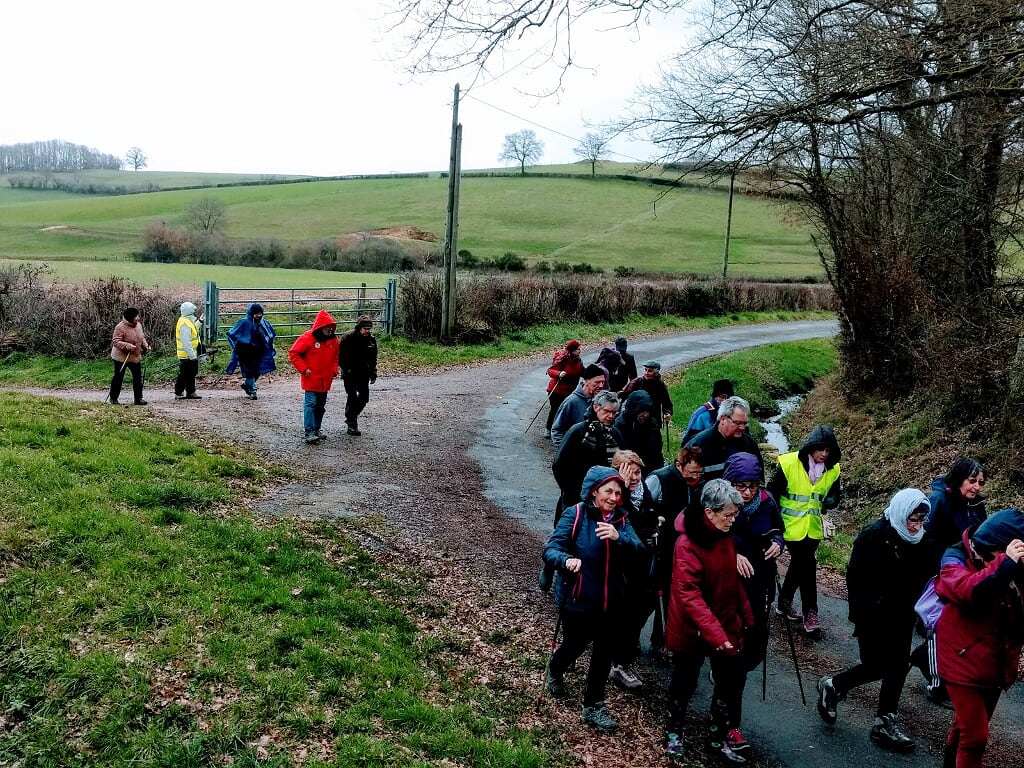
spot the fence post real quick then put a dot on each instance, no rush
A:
(212, 313)
(360, 299)
(392, 303)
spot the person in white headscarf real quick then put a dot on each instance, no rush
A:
(887, 571)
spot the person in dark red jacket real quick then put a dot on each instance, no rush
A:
(708, 613)
(981, 629)
(565, 371)
(315, 356)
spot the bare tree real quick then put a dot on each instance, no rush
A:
(522, 147)
(206, 214)
(593, 148)
(136, 158)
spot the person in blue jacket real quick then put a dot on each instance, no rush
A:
(252, 348)
(592, 549)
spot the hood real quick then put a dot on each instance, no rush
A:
(253, 309)
(598, 476)
(609, 357)
(323, 318)
(999, 530)
(821, 435)
(694, 523)
(188, 309)
(636, 402)
(900, 508)
(939, 484)
(742, 467)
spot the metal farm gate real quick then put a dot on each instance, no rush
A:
(292, 310)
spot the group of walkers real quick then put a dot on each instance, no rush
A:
(318, 355)
(696, 544)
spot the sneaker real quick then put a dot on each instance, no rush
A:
(252, 396)
(811, 624)
(735, 741)
(828, 700)
(140, 401)
(353, 431)
(625, 677)
(311, 437)
(674, 746)
(729, 755)
(319, 433)
(178, 396)
(939, 696)
(785, 608)
(599, 717)
(888, 733)
(114, 402)
(245, 387)
(554, 685)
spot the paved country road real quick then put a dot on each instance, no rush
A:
(451, 486)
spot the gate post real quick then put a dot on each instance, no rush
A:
(392, 303)
(211, 312)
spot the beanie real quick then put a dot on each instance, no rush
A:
(593, 371)
(570, 346)
(364, 322)
(621, 343)
(722, 387)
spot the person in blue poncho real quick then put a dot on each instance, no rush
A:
(252, 348)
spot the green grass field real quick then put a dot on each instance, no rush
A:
(603, 222)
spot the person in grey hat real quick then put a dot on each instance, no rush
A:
(652, 383)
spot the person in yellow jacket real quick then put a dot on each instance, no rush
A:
(806, 486)
(186, 339)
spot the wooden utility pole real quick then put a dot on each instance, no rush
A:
(451, 226)
(728, 225)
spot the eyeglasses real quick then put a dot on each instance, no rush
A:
(740, 424)
(727, 515)
(741, 487)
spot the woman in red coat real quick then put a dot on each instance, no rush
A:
(981, 629)
(565, 371)
(708, 613)
(315, 356)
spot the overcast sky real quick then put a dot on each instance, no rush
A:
(304, 87)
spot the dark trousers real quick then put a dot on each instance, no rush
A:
(760, 590)
(358, 390)
(579, 629)
(885, 656)
(640, 601)
(115, 383)
(727, 701)
(186, 381)
(968, 735)
(802, 574)
(553, 402)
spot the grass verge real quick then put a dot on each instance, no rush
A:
(143, 621)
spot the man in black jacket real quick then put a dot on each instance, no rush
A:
(729, 435)
(357, 360)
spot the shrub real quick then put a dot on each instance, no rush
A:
(509, 262)
(467, 259)
(542, 266)
(624, 271)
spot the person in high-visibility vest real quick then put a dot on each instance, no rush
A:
(186, 340)
(806, 486)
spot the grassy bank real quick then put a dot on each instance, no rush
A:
(146, 620)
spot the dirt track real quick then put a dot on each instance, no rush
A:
(416, 471)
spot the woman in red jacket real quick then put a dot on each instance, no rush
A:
(315, 356)
(708, 613)
(565, 371)
(981, 629)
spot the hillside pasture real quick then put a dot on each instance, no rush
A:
(603, 222)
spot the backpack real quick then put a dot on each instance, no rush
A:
(929, 605)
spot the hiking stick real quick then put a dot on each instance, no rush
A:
(764, 661)
(668, 443)
(547, 398)
(658, 630)
(120, 373)
(792, 644)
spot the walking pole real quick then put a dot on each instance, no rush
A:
(668, 444)
(792, 644)
(658, 629)
(546, 399)
(767, 629)
(121, 373)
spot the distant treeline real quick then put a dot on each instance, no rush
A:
(54, 156)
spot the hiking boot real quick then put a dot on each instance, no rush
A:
(888, 733)
(674, 746)
(140, 401)
(939, 696)
(321, 435)
(553, 684)
(600, 718)
(785, 608)
(193, 396)
(828, 700)
(353, 431)
(735, 741)
(178, 396)
(812, 626)
(625, 677)
(245, 387)
(311, 437)
(547, 434)
(114, 402)
(253, 396)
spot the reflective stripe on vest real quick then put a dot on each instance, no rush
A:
(177, 336)
(801, 504)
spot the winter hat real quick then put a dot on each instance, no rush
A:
(903, 505)
(572, 345)
(995, 533)
(621, 343)
(742, 467)
(364, 322)
(592, 371)
(653, 364)
(722, 387)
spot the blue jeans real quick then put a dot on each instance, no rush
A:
(250, 384)
(313, 407)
